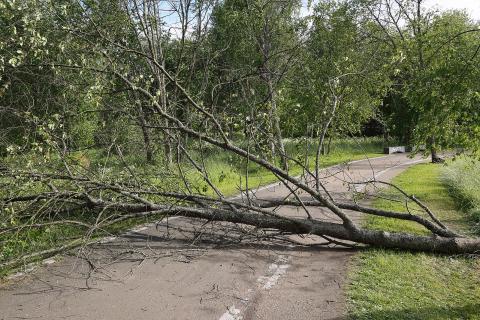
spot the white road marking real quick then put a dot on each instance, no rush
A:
(139, 229)
(276, 270)
(107, 239)
(28, 268)
(49, 261)
(232, 313)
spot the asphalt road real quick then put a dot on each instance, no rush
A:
(186, 269)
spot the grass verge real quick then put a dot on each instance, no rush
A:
(228, 173)
(462, 178)
(388, 284)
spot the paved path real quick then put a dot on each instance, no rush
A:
(183, 269)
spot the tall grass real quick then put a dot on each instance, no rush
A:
(462, 178)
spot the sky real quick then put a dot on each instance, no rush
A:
(472, 6)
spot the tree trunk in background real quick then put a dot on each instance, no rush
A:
(268, 76)
(167, 147)
(326, 149)
(167, 143)
(321, 147)
(433, 150)
(147, 141)
(277, 131)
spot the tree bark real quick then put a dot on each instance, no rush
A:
(146, 136)
(322, 139)
(268, 76)
(398, 240)
(276, 126)
(433, 150)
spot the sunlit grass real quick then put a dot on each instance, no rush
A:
(230, 176)
(388, 284)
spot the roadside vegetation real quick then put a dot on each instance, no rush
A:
(229, 172)
(462, 178)
(388, 284)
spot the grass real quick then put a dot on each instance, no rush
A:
(225, 170)
(386, 284)
(228, 172)
(462, 178)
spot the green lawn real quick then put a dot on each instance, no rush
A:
(388, 284)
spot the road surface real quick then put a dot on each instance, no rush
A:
(185, 269)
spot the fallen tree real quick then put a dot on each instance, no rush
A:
(62, 189)
(112, 203)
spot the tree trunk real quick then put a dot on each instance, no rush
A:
(167, 147)
(322, 139)
(167, 143)
(276, 127)
(329, 144)
(268, 76)
(377, 238)
(433, 150)
(146, 136)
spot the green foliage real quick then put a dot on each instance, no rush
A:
(446, 93)
(338, 65)
(434, 65)
(256, 43)
(22, 41)
(48, 65)
(389, 284)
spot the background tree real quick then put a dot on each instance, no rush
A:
(424, 48)
(339, 85)
(258, 42)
